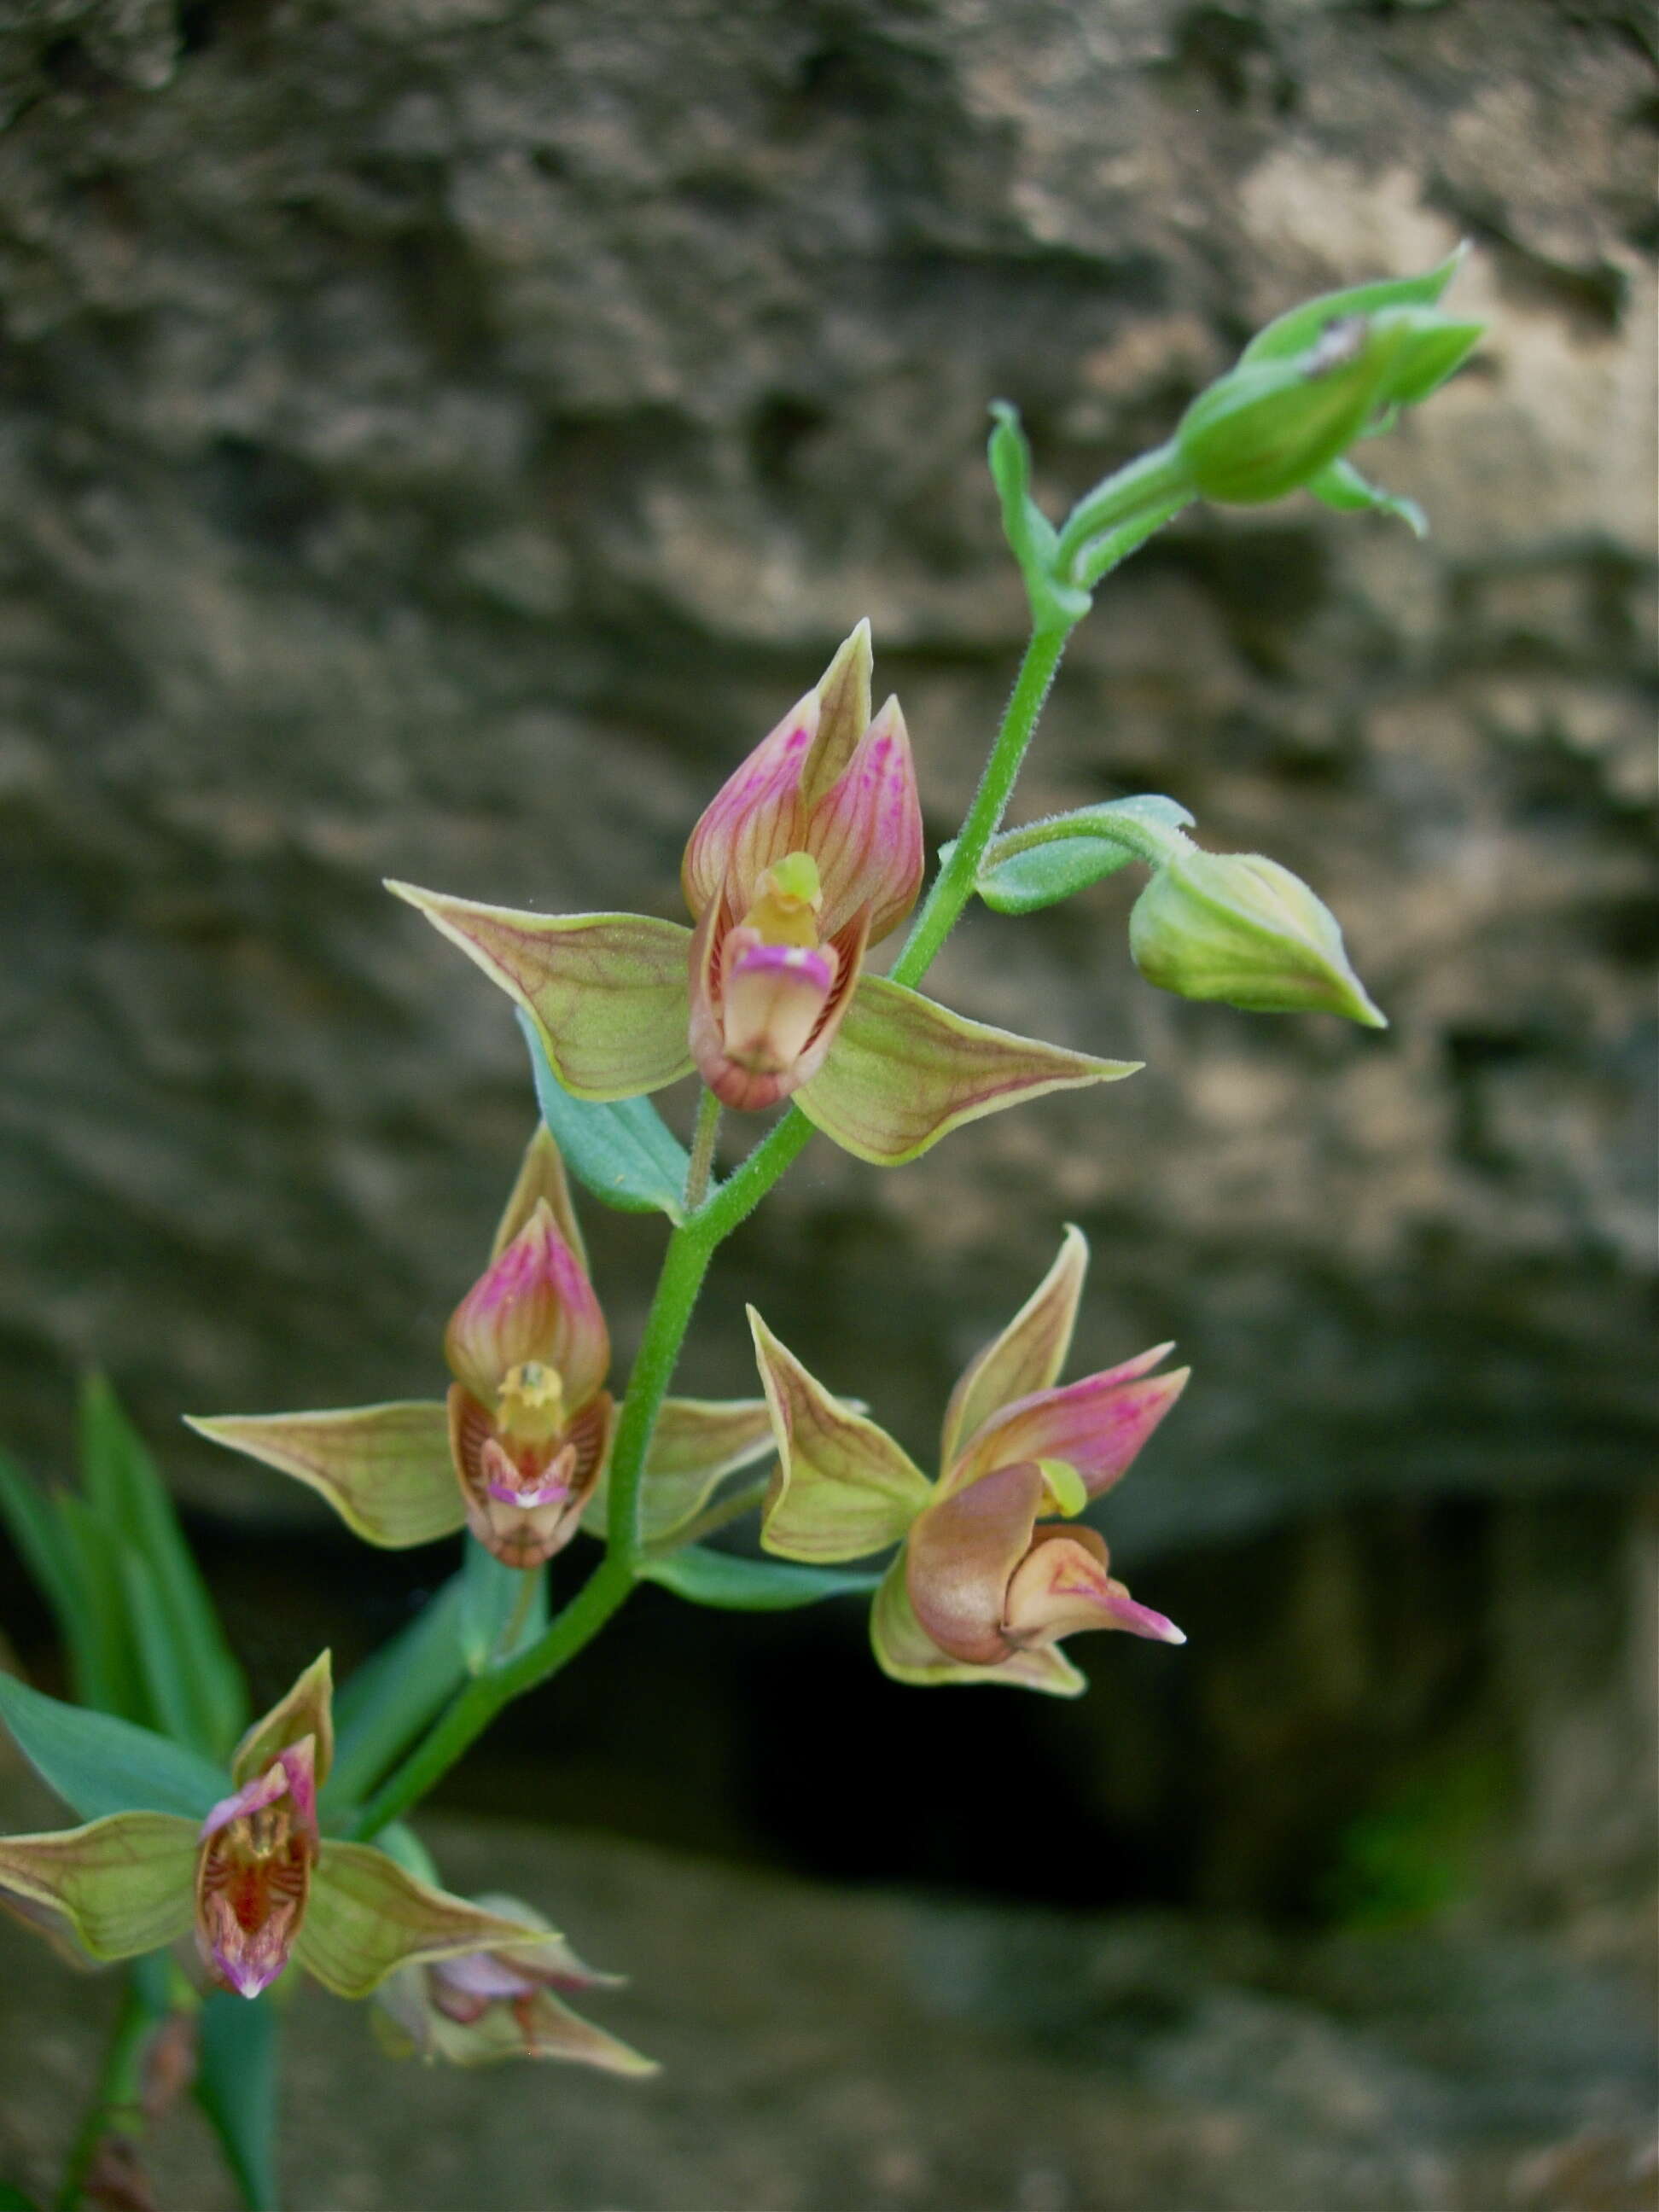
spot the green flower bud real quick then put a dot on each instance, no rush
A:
(1269, 426)
(1240, 928)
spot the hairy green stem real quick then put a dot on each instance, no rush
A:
(119, 2093)
(690, 1248)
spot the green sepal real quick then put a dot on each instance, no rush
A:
(197, 1688)
(119, 1885)
(386, 1470)
(1294, 331)
(1052, 860)
(732, 1583)
(1035, 542)
(623, 1151)
(99, 1764)
(366, 1918)
(238, 2054)
(1342, 487)
(904, 1072)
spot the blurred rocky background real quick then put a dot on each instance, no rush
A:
(437, 438)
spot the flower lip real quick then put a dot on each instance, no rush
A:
(254, 1872)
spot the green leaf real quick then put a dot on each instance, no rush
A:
(623, 1152)
(740, 1585)
(1056, 603)
(13, 2200)
(1342, 487)
(102, 1765)
(31, 1519)
(491, 1594)
(211, 1704)
(1051, 860)
(104, 1666)
(236, 2085)
(388, 1701)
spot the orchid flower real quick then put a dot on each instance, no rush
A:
(982, 1589)
(253, 1879)
(491, 2004)
(810, 855)
(518, 1451)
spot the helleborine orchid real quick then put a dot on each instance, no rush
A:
(981, 1589)
(252, 1876)
(518, 1451)
(488, 2005)
(809, 854)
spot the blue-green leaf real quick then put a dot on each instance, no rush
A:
(1076, 850)
(496, 1618)
(624, 1153)
(104, 1667)
(211, 1704)
(385, 1703)
(236, 2080)
(737, 1584)
(101, 1765)
(30, 1517)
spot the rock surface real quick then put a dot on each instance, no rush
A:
(437, 437)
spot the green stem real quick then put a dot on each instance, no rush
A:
(1146, 487)
(691, 1248)
(1146, 840)
(954, 886)
(119, 2090)
(703, 1151)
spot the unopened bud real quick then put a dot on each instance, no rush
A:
(1240, 928)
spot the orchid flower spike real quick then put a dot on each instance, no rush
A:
(518, 1451)
(491, 2004)
(982, 1589)
(809, 854)
(251, 1876)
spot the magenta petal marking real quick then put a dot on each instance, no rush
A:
(751, 821)
(1097, 1426)
(866, 832)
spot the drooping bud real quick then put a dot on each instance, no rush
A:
(254, 1872)
(1240, 928)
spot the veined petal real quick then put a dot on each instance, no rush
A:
(904, 1650)
(1029, 1353)
(306, 1709)
(367, 1916)
(755, 816)
(961, 1555)
(385, 1469)
(541, 1177)
(120, 1887)
(843, 696)
(1062, 1586)
(532, 1304)
(865, 831)
(606, 991)
(697, 1442)
(253, 1871)
(1097, 1425)
(902, 1072)
(843, 1488)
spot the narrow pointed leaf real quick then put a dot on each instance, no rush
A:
(237, 2055)
(121, 1470)
(697, 1443)
(1342, 487)
(367, 1916)
(29, 1516)
(174, 1689)
(607, 992)
(491, 1595)
(120, 1886)
(843, 1488)
(383, 1705)
(1027, 1355)
(104, 1666)
(623, 1151)
(904, 1650)
(904, 1072)
(385, 1469)
(99, 1764)
(1084, 846)
(732, 1583)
